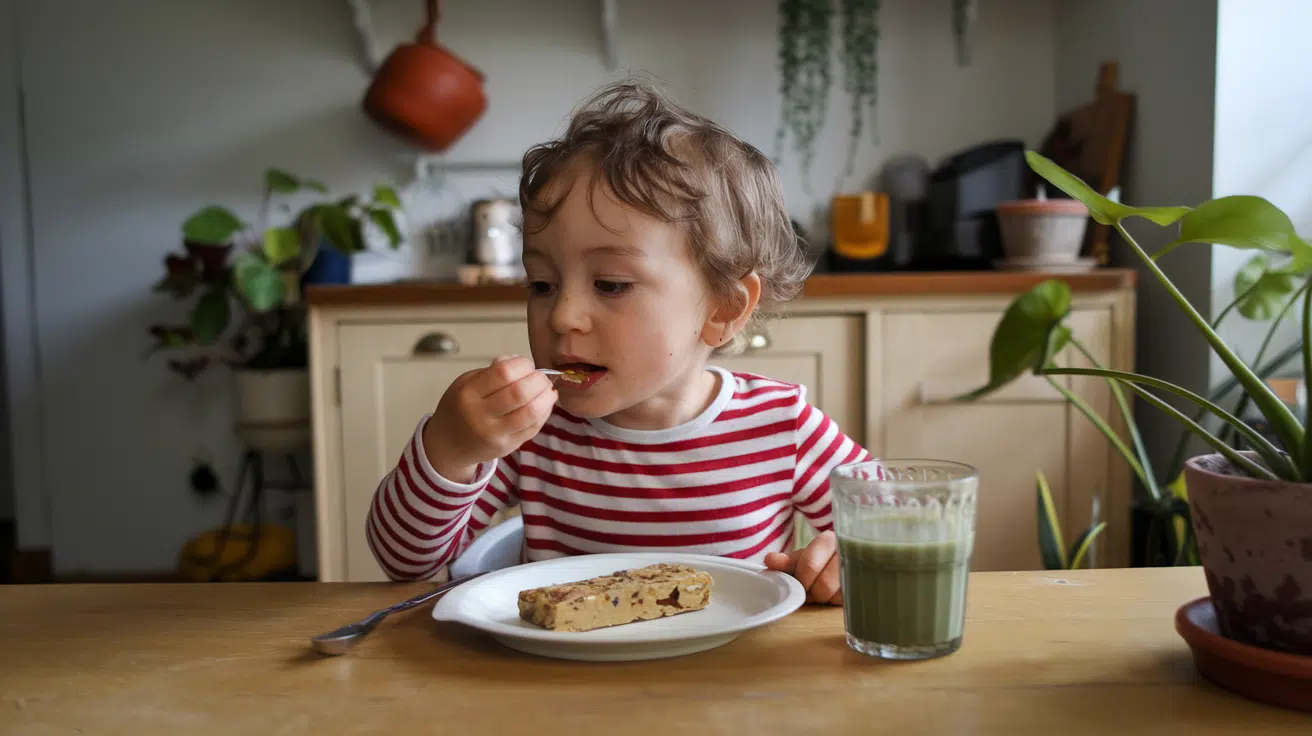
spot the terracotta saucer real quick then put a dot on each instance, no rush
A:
(1260, 674)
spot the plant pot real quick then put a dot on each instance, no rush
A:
(330, 266)
(1255, 541)
(273, 409)
(1043, 231)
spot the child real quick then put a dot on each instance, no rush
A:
(652, 237)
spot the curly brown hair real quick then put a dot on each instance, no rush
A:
(681, 168)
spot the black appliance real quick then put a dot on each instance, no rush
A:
(961, 223)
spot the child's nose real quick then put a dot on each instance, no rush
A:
(570, 314)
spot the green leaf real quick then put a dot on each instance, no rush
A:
(1263, 291)
(258, 282)
(1101, 209)
(213, 225)
(384, 220)
(1080, 549)
(277, 180)
(1050, 543)
(1239, 221)
(1028, 335)
(317, 186)
(1301, 262)
(210, 317)
(340, 230)
(281, 244)
(387, 196)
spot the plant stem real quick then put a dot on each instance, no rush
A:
(1305, 452)
(1269, 452)
(1280, 416)
(1263, 370)
(1131, 426)
(1230, 454)
(1103, 427)
(1234, 303)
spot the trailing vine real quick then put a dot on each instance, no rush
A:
(804, 68)
(860, 52)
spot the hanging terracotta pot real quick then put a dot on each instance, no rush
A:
(426, 93)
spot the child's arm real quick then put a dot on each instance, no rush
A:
(821, 447)
(449, 483)
(420, 521)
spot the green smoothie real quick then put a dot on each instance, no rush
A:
(905, 594)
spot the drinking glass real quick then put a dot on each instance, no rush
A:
(906, 529)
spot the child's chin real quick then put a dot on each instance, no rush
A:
(584, 406)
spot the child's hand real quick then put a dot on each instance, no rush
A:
(815, 567)
(486, 414)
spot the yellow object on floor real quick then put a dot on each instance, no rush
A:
(275, 551)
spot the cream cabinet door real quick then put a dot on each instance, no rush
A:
(393, 374)
(824, 354)
(927, 358)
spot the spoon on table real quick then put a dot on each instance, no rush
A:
(338, 641)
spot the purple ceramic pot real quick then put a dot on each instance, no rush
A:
(1255, 541)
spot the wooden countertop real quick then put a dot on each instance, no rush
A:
(820, 285)
(1083, 652)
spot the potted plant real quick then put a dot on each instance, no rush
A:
(226, 261)
(1249, 507)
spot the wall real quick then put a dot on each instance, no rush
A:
(1262, 143)
(1167, 53)
(24, 494)
(142, 110)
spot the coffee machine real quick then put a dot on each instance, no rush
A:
(961, 224)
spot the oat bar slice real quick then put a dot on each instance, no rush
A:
(663, 589)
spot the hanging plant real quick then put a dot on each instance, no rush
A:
(860, 68)
(964, 13)
(805, 31)
(804, 69)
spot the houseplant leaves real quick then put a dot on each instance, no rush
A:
(1029, 334)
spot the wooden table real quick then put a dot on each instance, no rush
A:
(1070, 653)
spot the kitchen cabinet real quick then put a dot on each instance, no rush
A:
(882, 357)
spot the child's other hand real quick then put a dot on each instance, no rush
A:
(815, 567)
(486, 414)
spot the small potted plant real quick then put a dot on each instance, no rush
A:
(225, 262)
(1250, 510)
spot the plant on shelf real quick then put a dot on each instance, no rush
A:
(1249, 508)
(226, 261)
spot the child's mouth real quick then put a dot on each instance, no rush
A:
(580, 375)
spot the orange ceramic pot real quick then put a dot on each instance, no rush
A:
(426, 93)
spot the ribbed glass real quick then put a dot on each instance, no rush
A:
(906, 529)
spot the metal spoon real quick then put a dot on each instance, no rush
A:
(339, 641)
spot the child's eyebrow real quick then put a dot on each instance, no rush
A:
(624, 251)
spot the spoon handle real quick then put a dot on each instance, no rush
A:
(339, 640)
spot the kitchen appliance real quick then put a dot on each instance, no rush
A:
(961, 226)
(424, 92)
(496, 249)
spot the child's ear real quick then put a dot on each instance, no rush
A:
(731, 314)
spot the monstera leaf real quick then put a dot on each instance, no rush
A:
(1029, 334)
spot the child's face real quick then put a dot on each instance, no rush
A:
(615, 292)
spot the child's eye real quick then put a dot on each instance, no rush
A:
(612, 288)
(539, 288)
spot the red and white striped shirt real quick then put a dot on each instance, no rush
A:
(725, 483)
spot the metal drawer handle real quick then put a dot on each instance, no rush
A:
(758, 341)
(437, 343)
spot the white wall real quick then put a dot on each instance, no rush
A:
(1167, 55)
(1263, 145)
(139, 111)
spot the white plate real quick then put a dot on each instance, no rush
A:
(744, 596)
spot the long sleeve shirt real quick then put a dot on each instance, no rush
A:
(726, 483)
